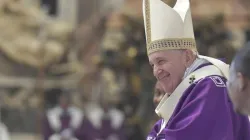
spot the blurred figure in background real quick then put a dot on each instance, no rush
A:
(239, 81)
(63, 121)
(103, 121)
(211, 35)
(4, 133)
(158, 93)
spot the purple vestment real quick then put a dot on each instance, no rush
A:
(100, 125)
(105, 132)
(204, 112)
(60, 122)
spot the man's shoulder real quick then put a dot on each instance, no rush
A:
(213, 81)
(213, 86)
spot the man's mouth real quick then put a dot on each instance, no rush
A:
(164, 76)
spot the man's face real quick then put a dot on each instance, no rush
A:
(239, 95)
(158, 93)
(168, 68)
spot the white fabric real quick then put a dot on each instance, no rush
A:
(4, 133)
(223, 67)
(117, 118)
(59, 137)
(65, 134)
(163, 125)
(167, 105)
(95, 115)
(54, 117)
(167, 22)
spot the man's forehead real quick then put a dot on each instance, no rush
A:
(162, 54)
(155, 56)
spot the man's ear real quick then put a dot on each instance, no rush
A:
(189, 57)
(243, 82)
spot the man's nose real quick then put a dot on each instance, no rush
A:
(157, 71)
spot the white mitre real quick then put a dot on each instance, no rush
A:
(172, 28)
(168, 28)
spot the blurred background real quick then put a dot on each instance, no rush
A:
(78, 69)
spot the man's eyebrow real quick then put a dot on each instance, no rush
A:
(159, 58)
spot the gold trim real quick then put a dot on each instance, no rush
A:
(168, 44)
(148, 23)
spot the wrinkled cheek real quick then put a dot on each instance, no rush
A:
(164, 84)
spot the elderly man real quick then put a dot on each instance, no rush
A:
(196, 105)
(239, 81)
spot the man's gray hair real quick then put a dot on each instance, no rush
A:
(195, 52)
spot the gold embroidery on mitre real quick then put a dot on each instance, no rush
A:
(170, 3)
(171, 44)
(148, 26)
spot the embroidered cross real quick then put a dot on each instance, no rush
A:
(192, 78)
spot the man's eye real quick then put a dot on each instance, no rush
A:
(161, 62)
